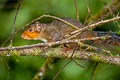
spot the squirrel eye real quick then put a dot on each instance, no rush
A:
(30, 29)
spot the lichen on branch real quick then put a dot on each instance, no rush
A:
(57, 53)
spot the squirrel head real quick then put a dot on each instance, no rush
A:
(33, 32)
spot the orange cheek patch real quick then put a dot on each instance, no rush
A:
(31, 34)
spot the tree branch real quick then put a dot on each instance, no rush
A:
(41, 50)
(96, 24)
(57, 53)
(49, 44)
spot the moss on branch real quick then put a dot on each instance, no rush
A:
(58, 53)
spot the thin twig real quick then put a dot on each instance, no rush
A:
(88, 9)
(104, 12)
(78, 64)
(94, 69)
(95, 24)
(77, 11)
(49, 44)
(54, 78)
(92, 47)
(13, 27)
(116, 22)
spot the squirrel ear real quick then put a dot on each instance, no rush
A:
(38, 26)
(37, 22)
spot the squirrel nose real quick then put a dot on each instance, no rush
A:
(23, 36)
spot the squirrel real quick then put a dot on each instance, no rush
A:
(48, 32)
(56, 30)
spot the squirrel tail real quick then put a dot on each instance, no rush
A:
(114, 39)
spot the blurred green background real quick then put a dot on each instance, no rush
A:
(24, 68)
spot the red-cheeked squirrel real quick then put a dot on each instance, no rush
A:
(56, 31)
